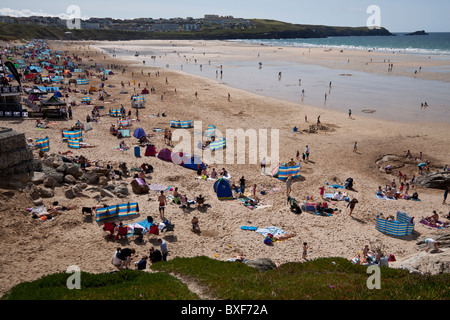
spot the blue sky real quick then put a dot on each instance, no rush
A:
(396, 15)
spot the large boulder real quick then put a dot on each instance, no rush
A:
(139, 189)
(51, 172)
(121, 189)
(106, 193)
(70, 179)
(90, 177)
(73, 170)
(37, 177)
(46, 192)
(262, 264)
(50, 182)
(438, 180)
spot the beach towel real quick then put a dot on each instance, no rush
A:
(336, 186)
(384, 197)
(250, 228)
(157, 187)
(251, 206)
(275, 231)
(144, 224)
(439, 225)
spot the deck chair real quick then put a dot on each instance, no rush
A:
(153, 230)
(109, 227)
(121, 233)
(139, 233)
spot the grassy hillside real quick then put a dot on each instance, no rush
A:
(263, 29)
(321, 279)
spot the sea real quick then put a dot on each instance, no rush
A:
(382, 96)
(435, 43)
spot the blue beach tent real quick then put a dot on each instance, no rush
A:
(223, 189)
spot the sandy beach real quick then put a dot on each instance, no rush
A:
(33, 248)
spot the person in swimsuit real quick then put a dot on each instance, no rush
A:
(162, 204)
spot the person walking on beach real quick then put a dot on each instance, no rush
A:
(352, 205)
(305, 250)
(242, 185)
(307, 153)
(355, 147)
(322, 191)
(162, 205)
(350, 113)
(445, 195)
(288, 186)
(163, 246)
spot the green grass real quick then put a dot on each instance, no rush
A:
(123, 285)
(315, 280)
(321, 279)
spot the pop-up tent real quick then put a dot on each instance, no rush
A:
(193, 162)
(139, 133)
(223, 189)
(165, 155)
(150, 151)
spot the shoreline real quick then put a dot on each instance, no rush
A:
(51, 246)
(356, 86)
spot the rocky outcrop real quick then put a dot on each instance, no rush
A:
(432, 262)
(262, 264)
(438, 180)
(16, 157)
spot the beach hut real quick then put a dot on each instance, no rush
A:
(223, 189)
(403, 225)
(165, 155)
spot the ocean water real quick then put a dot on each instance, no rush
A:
(380, 96)
(436, 43)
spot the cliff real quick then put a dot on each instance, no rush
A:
(262, 29)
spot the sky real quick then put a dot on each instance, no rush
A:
(394, 15)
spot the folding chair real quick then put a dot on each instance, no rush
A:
(121, 233)
(109, 227)
(153, 230)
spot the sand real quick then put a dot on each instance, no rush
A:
(32, 248)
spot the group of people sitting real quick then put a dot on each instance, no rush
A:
(42, 124)
(391, 192)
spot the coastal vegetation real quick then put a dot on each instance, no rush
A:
(320, 279)
(261, 29)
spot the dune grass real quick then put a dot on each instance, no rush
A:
(321, 279)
